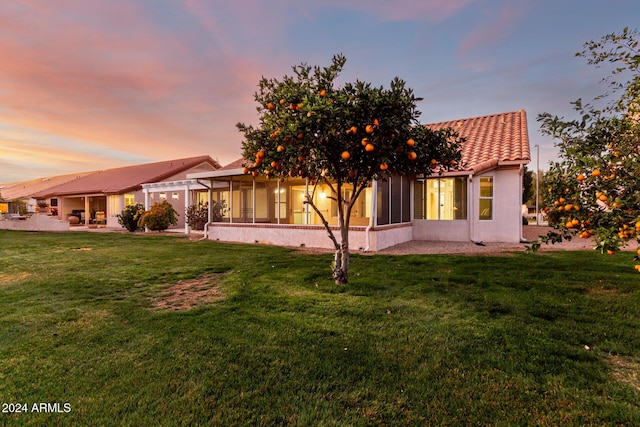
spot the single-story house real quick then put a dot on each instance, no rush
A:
(481, 202)
(15, 196)
(100, 196)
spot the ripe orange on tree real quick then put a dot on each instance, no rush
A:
(368, 129)
(595, 172)
(412, 155)
(369, 148)
(280, 148)
(323, 92)
(270, 106)
(384, 167)
(581, 177)
(345, 155)
(411, 142)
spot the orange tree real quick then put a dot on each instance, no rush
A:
(346, 135)
(594, 190)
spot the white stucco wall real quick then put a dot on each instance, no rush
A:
(506, 225)
(441, 231)
(309, 236)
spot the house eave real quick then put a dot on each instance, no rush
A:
(216, 174)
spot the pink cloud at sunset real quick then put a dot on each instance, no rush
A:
(491, 32)
(88, 84)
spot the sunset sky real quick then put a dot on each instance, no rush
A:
(88, 84)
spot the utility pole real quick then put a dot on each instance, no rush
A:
(537, 183)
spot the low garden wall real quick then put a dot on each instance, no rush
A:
(36, 222)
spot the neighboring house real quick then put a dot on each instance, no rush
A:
(100, 196)
(481, 202)
(23, 192)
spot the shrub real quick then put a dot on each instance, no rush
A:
(196, 215)
(218, 210)
(159, 217)
(130, 216)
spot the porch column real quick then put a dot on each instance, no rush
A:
(146, 199)
(210, 202)
(87, 213)
(278, 200)
(187, 202)
(306, 205)
(230, 200)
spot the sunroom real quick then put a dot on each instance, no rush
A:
(259, 210)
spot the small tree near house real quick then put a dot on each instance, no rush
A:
(349, 135)
(159, 217)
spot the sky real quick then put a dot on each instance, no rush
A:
(96, 84)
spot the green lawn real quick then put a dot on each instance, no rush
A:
(546, 339)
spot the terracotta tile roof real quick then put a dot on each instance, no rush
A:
(491, 141)
(234, 165)
(26, 189)
(129, 178)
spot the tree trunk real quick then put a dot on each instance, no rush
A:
(341, 260)
(341, 266)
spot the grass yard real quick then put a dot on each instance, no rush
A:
(156, 330)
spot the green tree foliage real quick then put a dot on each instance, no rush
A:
(528, 190)
(349, 135)
(160, 217)
(130, 217)
(19, 206)
(593, 189)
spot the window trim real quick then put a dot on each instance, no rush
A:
(489, 198)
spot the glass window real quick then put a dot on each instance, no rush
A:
(129, 199)
(419, 201)
(406, 199)
(383, 202)
(486, 198)
(441, 198)
(175, 196)
(202, 197)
